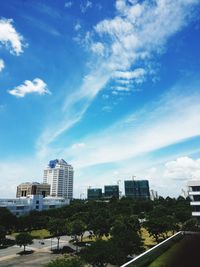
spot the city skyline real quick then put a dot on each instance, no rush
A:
(111, 87)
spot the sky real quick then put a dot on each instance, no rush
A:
(112, 87)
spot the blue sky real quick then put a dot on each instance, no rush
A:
(112, 87)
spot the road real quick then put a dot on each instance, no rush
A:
(42, 253)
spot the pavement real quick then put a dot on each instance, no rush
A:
(42, 253)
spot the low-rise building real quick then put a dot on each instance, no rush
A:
(23, 205)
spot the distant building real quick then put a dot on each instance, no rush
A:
(111, 191)
(26, 189)
(23, 205)
(153, 194)
(194, 194)
(59, 174)
(94, 193)
(137, 189)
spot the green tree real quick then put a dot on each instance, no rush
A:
(191, 225)
(66, 262)
(24, 239)
(2, 235)
(98, 254)
(78, 227)
(57, 227)
(126, 239)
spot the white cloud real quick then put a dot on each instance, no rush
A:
(68, 4)
(137, 73)
(97, 48)
(37, 86)
(10, 37)
(85, 5)
(78, 145)
(2, 65)
(161, 125)
(183, 168)
(134, 35)
(107, 108)
(121, 88)
(77, 27)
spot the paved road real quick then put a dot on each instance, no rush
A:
(36, 259)
(42, 253)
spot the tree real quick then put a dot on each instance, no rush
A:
(191, 225)
(2, 235)
(100, 222)
(57, 228)
(78, 228)
(24, 239)
(126, 239)
(66, 261)
(7, 219)
(98, 254)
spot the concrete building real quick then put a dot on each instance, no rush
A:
(35, 188)
(194, 194)
(94, 193)
(111, 191)
(23, 205)
(137, 189)
(59, 174)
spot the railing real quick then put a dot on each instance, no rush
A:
(150, 255)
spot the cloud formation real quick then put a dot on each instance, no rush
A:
(68, 4)
(10, 37)
(164, 123)
(85, 5)
(2, 65)
(37, 86)
(138, 33)
(183, 168)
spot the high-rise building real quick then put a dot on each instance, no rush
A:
(27, 189)
(94, 193)
(111, 191)
(59, 174)
(137, 189)
(194, 194)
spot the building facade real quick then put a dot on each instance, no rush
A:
(23, 205)
(137, 189)
(194, 194)
(111, 191)
(26, 189)
(94, 193)
(59, 174)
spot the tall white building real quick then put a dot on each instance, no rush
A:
(194, 194)
(59, 174)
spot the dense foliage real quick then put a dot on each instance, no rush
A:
(119, 222)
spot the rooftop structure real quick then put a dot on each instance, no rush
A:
(34, 188)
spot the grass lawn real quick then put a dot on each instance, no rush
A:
(148, 240)
(37, 234)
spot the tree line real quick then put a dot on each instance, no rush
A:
(115, 225)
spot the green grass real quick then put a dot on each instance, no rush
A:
(164, 258)
(37, 234)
